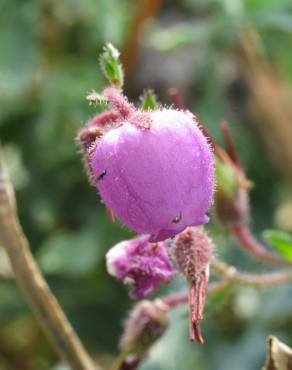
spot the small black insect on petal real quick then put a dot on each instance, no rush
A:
(101, 176)
(177, 218)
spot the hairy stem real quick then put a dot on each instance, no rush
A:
(265, 279)
(119, 102)
(245, 238)
(231, 274)
(175, 299)
(34, 287)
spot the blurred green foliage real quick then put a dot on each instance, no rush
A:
(281, 241)
(48, 64)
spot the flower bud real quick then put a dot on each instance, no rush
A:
(192, 251)
(140, 263)
(153, 169)
(231, 197)
(110, 65)
(147, 322)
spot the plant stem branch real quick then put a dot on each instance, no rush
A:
(265, 279)
(230, 275)
(245, 238)
(175, 299)
(145, 10)
(34, 287)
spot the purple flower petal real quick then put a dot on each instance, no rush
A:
(140, 263)
(160, 180)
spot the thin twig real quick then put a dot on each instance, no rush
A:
(145, 9)
(177, 99)
(230, 147)
(245, 238)
(265, 279)
(175, 299)
(34, 287)
(231, 274)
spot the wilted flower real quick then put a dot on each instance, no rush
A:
(192, 251)
(153, 169)
(143, 264)
(146, 324)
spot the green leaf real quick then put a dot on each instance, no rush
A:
(149, 100)
(71, 254)
(281, 240)
(110, 65)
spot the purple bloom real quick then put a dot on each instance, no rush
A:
(143, 264)
(154, 169)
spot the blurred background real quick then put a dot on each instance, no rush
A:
(231, 60)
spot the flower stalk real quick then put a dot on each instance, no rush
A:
(35, 289)
(246, 240)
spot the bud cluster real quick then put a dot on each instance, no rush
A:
(153, 168)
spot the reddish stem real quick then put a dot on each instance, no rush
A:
(94, 128)
(246, 240)
(177, 99)
(103, 118)
(119, 102)
(230, 148)
(267, 279)
(110, 215)
(175, 299)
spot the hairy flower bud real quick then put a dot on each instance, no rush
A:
(153, 169)
(231, 198)
(143, 264)
(192, 251)
(146, 324)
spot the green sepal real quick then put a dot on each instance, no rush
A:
(111, 66)
(149, 100)
(225, 177)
